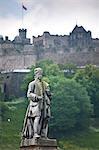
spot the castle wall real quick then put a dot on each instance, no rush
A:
(0, 49)
(11, 84)
(21, 61)
(11, 62)
(19, 53)
(47, 40)
(78, 58)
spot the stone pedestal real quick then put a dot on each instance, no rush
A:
(38, 144)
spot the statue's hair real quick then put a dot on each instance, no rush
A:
(38, 70)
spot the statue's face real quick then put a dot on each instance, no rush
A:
(39, 76)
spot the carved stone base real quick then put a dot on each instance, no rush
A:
(38, 144)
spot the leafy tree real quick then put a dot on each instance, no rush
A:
(69, 69)
(28, 78)
(70, 108)
(49, 70)
(89, 78)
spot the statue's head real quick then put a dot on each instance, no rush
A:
(38, 72)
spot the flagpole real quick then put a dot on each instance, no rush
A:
(22, 15)
(23, 8)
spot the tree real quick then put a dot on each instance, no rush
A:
(70, 108)
(69, 69)
(89, 78)
(28, 78)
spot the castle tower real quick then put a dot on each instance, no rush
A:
(79, 37)
(22, 33)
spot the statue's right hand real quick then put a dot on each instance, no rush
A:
(34, 97)
(39, 97)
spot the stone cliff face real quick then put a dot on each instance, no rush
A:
(78, 48)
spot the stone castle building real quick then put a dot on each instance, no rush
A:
(20, 54)
(78, 47)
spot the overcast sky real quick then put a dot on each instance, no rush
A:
(55, 16)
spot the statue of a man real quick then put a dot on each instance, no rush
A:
(38, 111)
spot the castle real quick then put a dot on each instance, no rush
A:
(17, 56)
(78, 47)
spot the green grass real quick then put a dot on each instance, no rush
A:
(11, 131)
(82, 141)
(10, 137)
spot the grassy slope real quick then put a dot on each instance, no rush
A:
(11, 132)
(84, 141)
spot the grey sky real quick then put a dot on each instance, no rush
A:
(55, 16)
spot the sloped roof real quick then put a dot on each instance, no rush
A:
(78, 29)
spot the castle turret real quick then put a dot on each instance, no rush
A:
(22, 33)
(21, 39)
